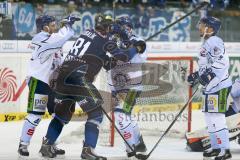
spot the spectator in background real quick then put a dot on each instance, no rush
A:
(83, 3)
(40, 9)
(150, 12)
(195, 3)
(159, 3)
(71, 7)
(140, 19)
(203, 11)
(224, 4)
(7, 29)
(215, 4)
(123, 1)
(51, 1)
(184, 3)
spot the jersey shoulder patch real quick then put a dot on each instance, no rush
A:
(217, 50)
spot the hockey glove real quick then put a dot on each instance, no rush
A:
(206, 77)
(70, 20)
(140, 46)
(110, 63)
(193, 79)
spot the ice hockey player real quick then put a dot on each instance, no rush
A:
(74, 83)
(199, 140)
(46, 56)
(125, 81)
(214, 77)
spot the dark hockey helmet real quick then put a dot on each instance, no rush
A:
(212, 22)
(102, 22)
(126, 26)
(109, 19)
(44, 20)
(125, 20)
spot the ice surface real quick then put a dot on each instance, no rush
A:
(168, 149)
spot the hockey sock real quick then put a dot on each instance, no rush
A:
(136, 132)
(91, 134)
(54, 130)
(30, 123)
(213, 140)
(128, 128)
(223, 139)
(27, 132)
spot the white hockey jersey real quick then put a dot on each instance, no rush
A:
(46, 53)
(213, 56)
(127, 75)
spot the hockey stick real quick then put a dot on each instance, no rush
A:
(109, 118)
(114, 9)
(142, 156)
(203, 4)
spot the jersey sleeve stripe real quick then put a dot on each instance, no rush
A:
(216, 67)
(211, 54)
(47, 50)
(218, 84)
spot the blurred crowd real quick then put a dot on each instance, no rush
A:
(215, 4)
(144, 14)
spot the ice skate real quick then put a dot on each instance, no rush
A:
(139, 148)
(58, 151)
(88, 153)
(47, 150)
(224, 155)
(209, 154)
(23, 150)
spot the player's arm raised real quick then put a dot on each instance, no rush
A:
(55, 40)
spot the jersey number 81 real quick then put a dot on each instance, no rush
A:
(79, 47)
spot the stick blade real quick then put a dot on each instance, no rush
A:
(142, 156)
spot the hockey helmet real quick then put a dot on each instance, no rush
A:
(126, 26)
(102, 22)
(44, 20)
(124, 20)
(212, 22)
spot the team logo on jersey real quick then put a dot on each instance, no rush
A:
(30, 131)
(119, 75)
(40, 102)
(219, 141)
(32, 46)
(212, 103)
(121, 80)
(216, 50)
(127, 135)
